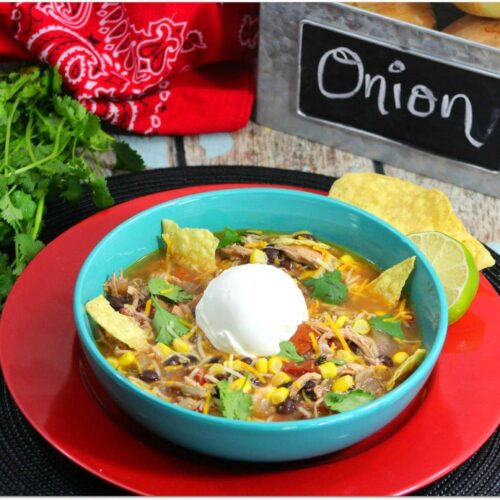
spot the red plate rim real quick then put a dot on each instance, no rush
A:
(470, 338)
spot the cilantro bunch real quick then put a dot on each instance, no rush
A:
(46, 141)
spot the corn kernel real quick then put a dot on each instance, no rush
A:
(279, 395)
(348, 357)
(361, 326)
(112, 361)
(163, 349)
(328, 370)
(128, 359)
(216, 369)
(280, 378)
(274, 364)
(399, 357)
(341, 321)
(261, 365)
(347, 259)
(258, 257)
(241, 383)
(343, 384)
(380, 369)
(180, 345)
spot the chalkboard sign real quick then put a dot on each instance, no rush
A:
(428, 104)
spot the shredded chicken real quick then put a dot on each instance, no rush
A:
(303, 255)
(301, 381)
(350, 369)
(365, 379)
(366, 344)
(236, 251)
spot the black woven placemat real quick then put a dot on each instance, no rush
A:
(30, 466)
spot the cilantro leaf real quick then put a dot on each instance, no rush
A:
(175, 293)
(100, 192)
(127, 158)
(229, 237)
(8, 211)
(234, 404)
(288, 350)
(25, 203)
(328, 288)
(388, 325)
(28, 247)
(167, 325)
(341, 402)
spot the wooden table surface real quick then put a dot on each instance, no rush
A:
(257, 145)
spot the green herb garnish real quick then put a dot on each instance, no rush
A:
(229, 237)
(175, 293)
(168, 326)
(387, 324)
(328, 288)
(48, 149)
(338, 362)
(234, 404)
(288, 350)
(340, 402)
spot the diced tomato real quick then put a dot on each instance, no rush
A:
(298, 369)
(301, 339)
(183, 274)
(199, 377)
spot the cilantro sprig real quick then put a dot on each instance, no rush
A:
(288, 350)
(342, 402)
(387, 324)
(174, 293)
(167, 326)
(229, 237)
(49, 146)
(328, 288)
(234, 404)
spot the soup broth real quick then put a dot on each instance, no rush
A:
(344, 355)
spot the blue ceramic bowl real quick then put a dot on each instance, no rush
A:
(283, 210)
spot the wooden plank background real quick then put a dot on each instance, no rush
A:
(257, 145)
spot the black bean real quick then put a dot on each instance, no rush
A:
(192, 359)
(214, 359)
(287, 407)
(149, 376)
(308, 388)
(320, 360)
(172, 360)
(222, 376)
(272, 254)
(116, 302)
(248, 361)
(309, 385)
(286, 263)
(386, 360)
(287, 384)
(256, 382)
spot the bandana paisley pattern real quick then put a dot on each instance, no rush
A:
(140, 66)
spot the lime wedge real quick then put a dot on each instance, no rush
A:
(455, 267)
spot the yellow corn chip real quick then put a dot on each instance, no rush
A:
(121, 327)
(407, 367)
(193, 249)
(390, 283)
(408, 207)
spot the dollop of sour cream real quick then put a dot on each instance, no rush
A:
(249, 309)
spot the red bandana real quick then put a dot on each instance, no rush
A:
(159, 68)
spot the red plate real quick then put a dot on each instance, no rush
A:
(455, 414)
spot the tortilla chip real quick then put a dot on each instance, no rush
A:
(408, 207)
(405, 368)
(121, 327)
(193, 249)
(390, 283)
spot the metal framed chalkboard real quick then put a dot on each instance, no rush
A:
(450, 148)
(412, 99)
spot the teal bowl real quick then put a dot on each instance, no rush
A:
(283, 210)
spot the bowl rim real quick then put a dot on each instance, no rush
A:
(417, 378)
